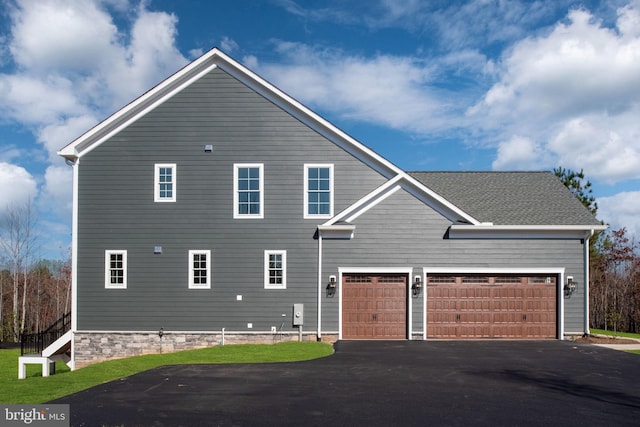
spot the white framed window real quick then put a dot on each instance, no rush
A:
(115, 269)
(318, 190)
(248, 190)
(200, 269)
(165, 182)
(275, 269)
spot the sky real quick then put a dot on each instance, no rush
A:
(429, 85)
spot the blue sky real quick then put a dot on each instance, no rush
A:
(430, 85)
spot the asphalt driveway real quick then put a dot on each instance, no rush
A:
(368, 383)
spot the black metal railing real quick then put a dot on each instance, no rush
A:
(35, 343)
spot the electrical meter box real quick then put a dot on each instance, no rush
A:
(298, 314)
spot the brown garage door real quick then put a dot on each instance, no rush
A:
(491, 306)
(374, 306)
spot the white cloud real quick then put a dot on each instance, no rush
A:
(72, 67)
(518, 153)
(621, 210)
(606, 147)
(575, 92)
(228, 45)
(58, 134)
(32, 100)
(57, 192)
(151, 56)
(74, 62)
(18, 186)
(62, 34)
(394, 91)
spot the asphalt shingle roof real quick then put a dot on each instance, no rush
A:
(509, 198)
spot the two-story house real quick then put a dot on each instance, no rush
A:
(215, 208)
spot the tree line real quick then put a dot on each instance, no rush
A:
(34, 293)
(614, 270)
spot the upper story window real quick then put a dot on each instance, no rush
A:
(318, 191)
(275, 269)
(248, 190)
(115, 269)
(200, 269)
(165, 182)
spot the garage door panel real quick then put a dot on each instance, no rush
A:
(380, 302)
(491, 307)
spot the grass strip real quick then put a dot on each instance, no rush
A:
(36, 389)
(615, 334)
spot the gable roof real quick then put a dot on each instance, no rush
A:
(194, 71)
(475, 199)
(217, 59)
(510, 198)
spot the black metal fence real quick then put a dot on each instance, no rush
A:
(35, 343)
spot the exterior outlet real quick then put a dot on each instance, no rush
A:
(273, 329)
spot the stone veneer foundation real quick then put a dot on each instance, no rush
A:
(95, 347)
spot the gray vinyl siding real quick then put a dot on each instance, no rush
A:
(117, 211)
(403, 232)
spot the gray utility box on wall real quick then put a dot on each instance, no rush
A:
(298, 314)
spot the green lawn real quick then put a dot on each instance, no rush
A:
(36, 389)
(617, 334)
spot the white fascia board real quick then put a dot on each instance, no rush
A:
(458, 231)
(492, 270)
(341, 231)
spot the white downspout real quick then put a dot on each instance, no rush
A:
(587, 330)
(319, 332)
(74, 263)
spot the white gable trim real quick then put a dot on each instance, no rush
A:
(367, 201)
(403, 181)
(194, 71)
(132, 112)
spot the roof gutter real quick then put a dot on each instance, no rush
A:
(490, 231)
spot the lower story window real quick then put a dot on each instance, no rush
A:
(115, 267)
(200, 269)
(275, 269)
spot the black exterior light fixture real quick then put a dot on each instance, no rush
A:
(331, 286)
(571, 286)
(417, 286)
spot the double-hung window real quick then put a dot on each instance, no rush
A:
(318, 191)
(200, 269)
(115, 269)
(248, 190)
(275, 269)
(165, 182)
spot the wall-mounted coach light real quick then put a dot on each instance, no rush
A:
(417, 286)
(331, 286)
(571, 286)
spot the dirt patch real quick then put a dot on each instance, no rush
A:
(604, 340)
